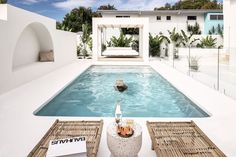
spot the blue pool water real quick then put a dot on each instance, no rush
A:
(149, 95)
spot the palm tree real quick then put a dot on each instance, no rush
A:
(155, 43)
(175, 39)
(174, 36)
(207, 42)
(188, 42)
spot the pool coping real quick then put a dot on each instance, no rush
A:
(17, 113)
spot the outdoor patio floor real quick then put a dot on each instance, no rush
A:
(21, 129)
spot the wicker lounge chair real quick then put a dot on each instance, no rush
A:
(92, 130)
(181, 139)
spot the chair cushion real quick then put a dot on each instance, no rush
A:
(46, 56)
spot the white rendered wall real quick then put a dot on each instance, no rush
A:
(26, 53)
(177, 21)
(11, 30)
(3, 11)
(226, 10)
(230, 31)
(156, 26)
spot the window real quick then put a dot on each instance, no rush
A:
(192, 18)
(220, 17)
(158, 17)
(213, 17)
(122, 16)
(216, 17)
(168, 17)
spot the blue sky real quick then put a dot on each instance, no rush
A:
(58, 8)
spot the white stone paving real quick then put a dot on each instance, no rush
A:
(21, 129)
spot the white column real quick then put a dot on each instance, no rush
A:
(99, 43)
(226, 10)
(94, 50)
(140, 42)
(146, 41)
(230, 34)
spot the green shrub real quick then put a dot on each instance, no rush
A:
(131, 31)
(121, 41)
(79, 49)
(207, 42)
(135, 45)
(194, 29)
(155, 43)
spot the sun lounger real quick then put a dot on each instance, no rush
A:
(181, 139)
(91, 130)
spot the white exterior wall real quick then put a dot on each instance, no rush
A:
(3, 11)
(230, 31)
(226, 10)
(26, 53)
(156, 26)
(20, 41)
(177, 21)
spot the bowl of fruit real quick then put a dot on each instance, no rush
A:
(125, 131)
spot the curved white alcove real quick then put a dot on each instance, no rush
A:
(34, 38)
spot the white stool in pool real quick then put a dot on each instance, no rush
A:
(124, 147)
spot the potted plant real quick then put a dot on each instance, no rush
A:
(194, 63)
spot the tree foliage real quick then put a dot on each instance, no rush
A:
(107, 7)
(3, 1)
(131, 31)
(194, 29)
(74, 20)
(192, 4)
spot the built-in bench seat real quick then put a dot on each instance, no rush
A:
(120, 51)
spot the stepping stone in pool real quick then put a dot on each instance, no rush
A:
(120, 85)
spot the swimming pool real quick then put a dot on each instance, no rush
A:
(92, 94)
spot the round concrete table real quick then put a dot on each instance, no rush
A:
(124, 147)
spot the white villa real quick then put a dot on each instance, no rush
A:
(164, 20)
(159, 22)
(39, 62)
